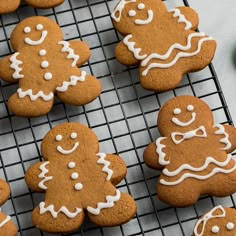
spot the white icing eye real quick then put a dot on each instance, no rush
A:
(39, 27)
(230, 226)
(177, 111)
(132, 13)
(141, 6)
(59, 137)
(27, 29)
(71, 165)
(190, 107)
(73, 135)
(42, 52)
(215, 229)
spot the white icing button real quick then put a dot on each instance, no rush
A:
(42, 52)
(73, 135)
(177, 111)
(48, 76)
(132, 13)
(58, 137)
(44, 64)
(27, 29)
(230, 226)
(74, 175)
(141, 6)
(215, 229)
(71, 164)
(78, 186)
(39, 27)
(190, 107)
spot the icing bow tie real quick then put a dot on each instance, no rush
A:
(217, 212)
(178, 137)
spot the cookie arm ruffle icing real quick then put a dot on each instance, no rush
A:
(43, 176)
(161, 153)
(102, 161)
(110, 201)
(15, 65)
(181, 18)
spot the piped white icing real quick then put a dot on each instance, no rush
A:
(71, 165)
(15, 66)
(42, 52)
(184, 124)
(70, 51)
(73, 135)
(132, 13)
(48, 76)
(44, 64)
(110, 200)
(78, 186)
(119, 8)
(177, 57)
(176, 111)
(73, 81)
(225, 140)
(161, 154)
(141, 6)
(39, 27)
(74, 175)
(178, 137)
(37, 42)
(216, 170)
(33, 97)
(215, 229)
(230, 226)
(66, 152)
(106, 164)
(181, 19)
(146, 21)
(27, 29)
(7, 219)
(59, 137)
(63, 209)
(203, 221)
(44, 171)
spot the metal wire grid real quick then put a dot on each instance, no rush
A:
(123, 117)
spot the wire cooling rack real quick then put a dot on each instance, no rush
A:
(123, 117)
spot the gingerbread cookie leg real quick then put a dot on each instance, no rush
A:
(81, 89)
(125, 207)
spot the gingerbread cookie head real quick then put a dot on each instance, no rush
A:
(69, 141)
(219, 221)
(183, 113)
(35, 31)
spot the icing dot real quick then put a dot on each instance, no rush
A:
(141, 6)
(73, 135)
(132, 13)
(48, 76)
(58, 137)
(215, 229)
(190, 107)
(74, 175)
(27, 29)
(71, 164)
(78, 186)
(177, 111)
(230, 226)
(44, 64)
(42, 52)
(39, 27)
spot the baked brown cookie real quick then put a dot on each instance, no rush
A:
(7, 227)
(77, 180)
(164, 43)
(7, 6)
(45, 65)
(193, 153)
(219, 221)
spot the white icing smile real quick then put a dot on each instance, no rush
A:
(66, 152)
(146, 21)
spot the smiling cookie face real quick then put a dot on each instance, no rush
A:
(32, 33)
(68, 140)
(183, 113)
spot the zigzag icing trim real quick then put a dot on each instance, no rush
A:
(33, 97)
(44, 171)
(15, 66)
(181, 19)
(106, 164)
(108, 204)
(160, 153)
(225, 140)
(70, 51)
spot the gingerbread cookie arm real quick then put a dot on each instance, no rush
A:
(118, 167)
(82, 49)
(124, 55)
(190, 15)
(4, 191)
(151, 157)
(37, 176)
(9, 69)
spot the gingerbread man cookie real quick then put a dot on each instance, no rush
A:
(76, 180)
(7, 227)
(193, 153)
(219, 221)
(7, 6)
(45, 65)
(163, 43)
